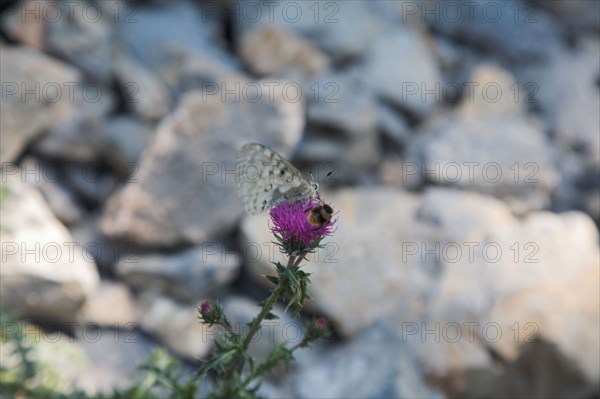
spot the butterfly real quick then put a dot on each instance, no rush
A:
(265, 179)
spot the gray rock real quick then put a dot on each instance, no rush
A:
(579, 15)
(493, 91)
(375, 364)
(152, 30)
(565, 90)
(193, 71)
(177, 64)
(393, 125)
(185, 188)
(561, 380)
(83, 35)
(273, 390)
(112, 356)
(510, 302)
(518, 32)
(80, 138)
(93, 137)
(24, 23)
(62, 202)
(91, 182)
(391, 12)
(400, 68)
(348, 147)
(457, 61)
(392, 172)
(37, 96)
(44, 273)
(487, 212)
(112, 305)
(187, 276)
(592, 205)
(145, 94)
(271, 50)
(104, 251)
(336, 96)
(489, 145)
(502, 162)
(451, 269)
(78, 32)
(342, 29)
(126, 138)
(349, 161)
(176, 326)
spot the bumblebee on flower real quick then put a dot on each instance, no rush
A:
(301, 226)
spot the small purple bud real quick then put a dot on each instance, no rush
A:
(321, 322)
(205, 307)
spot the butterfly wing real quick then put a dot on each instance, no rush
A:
(265, 179)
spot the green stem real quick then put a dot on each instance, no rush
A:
(225, 324)
(258, 319)
(254, 327)
(299, 345)
(300, 258)
(275, 295)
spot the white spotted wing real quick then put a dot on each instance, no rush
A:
(265, 179)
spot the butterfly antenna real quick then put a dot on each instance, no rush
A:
(318, 192)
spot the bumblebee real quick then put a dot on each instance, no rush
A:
(320, 215)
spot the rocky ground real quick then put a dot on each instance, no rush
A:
(463, 141)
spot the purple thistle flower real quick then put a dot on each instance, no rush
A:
(292, 227)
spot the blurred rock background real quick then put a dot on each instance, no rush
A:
(463, 141)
